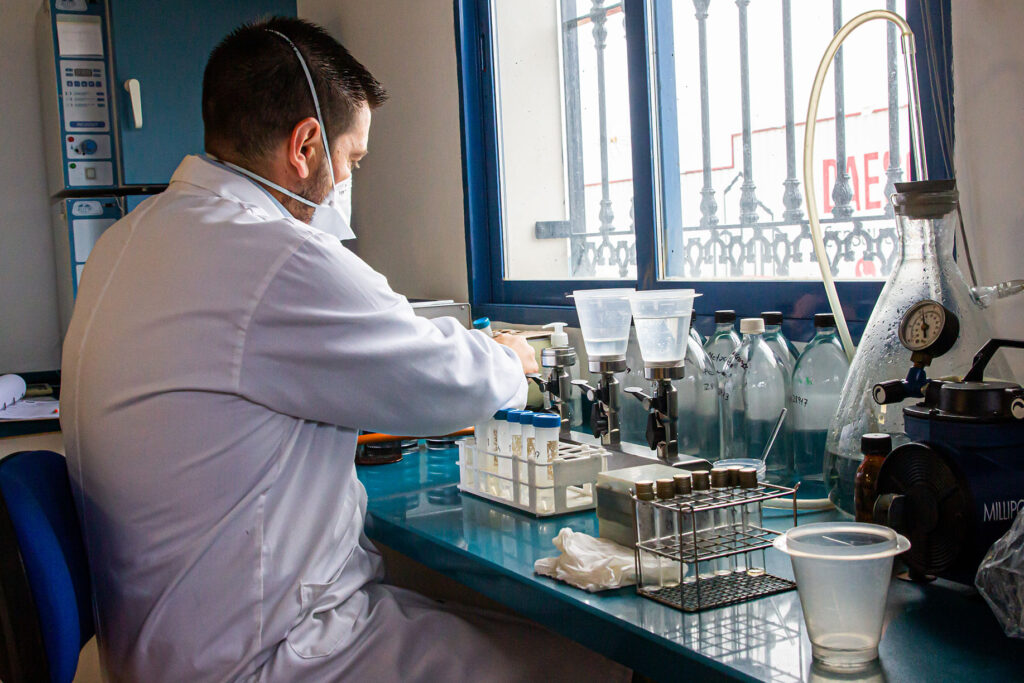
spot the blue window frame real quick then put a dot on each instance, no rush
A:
(542, 301)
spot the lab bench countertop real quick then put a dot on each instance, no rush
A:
(937, 631)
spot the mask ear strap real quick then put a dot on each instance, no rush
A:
(266, 182)
(316, 102)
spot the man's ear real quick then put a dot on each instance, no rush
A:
(303, 146)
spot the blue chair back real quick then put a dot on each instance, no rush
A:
(45, 593)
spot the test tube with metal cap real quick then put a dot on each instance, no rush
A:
(704, 521)
(684, 497)
(735, 515)
(723, 519)
(751, 515)
(649, 571)
(668, 539)
(734, 475)
(684, 485)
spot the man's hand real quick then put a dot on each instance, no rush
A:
(527, 356)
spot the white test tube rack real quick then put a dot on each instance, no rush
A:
(566, 484)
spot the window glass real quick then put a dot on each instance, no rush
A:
(564, 139)
(733, 101)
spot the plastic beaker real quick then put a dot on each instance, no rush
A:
(662, 319)
(842, 574)
(605, 317)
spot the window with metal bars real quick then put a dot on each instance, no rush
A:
(653, 143)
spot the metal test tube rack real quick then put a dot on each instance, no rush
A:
(698, 547)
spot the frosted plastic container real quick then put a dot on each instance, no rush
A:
(842, 574)
(605, 317)
(662, 319)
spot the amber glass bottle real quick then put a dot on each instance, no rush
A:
(874, 447)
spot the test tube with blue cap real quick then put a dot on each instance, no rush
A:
(515, 452)
(522, 460)
(496, 442)
(484, 325)
(545, 450)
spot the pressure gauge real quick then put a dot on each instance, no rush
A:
(929, 328)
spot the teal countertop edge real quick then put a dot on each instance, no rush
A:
(937, 631)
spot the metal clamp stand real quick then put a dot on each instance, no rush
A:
(604, 418)
(662, 429)
(557, 388)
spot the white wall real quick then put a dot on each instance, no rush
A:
(407, 197)
(28, 293)
(988, 72)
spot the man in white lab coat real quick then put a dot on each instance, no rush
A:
(224, 350)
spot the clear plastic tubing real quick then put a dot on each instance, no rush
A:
(665, 519)
(812, 114)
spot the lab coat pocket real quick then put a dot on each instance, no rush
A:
(327, 619)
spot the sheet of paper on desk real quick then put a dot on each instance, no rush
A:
(12, 388)
(32, 409)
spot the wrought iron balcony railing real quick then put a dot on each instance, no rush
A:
(751, 248)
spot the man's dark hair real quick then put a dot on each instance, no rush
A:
(255, 92)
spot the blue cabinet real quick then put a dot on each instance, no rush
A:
(164, 46)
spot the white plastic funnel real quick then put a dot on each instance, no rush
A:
(604, 320)
(842, 574)
(662, 319)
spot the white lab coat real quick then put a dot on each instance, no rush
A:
(220, 359)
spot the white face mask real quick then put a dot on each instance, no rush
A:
(335, 213)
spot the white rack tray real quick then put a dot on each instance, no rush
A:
(564, 485)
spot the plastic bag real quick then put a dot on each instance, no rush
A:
(593, 564)
(1000, 579)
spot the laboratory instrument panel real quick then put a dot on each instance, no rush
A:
(956, 487)
(78, 224)
(75, 74)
